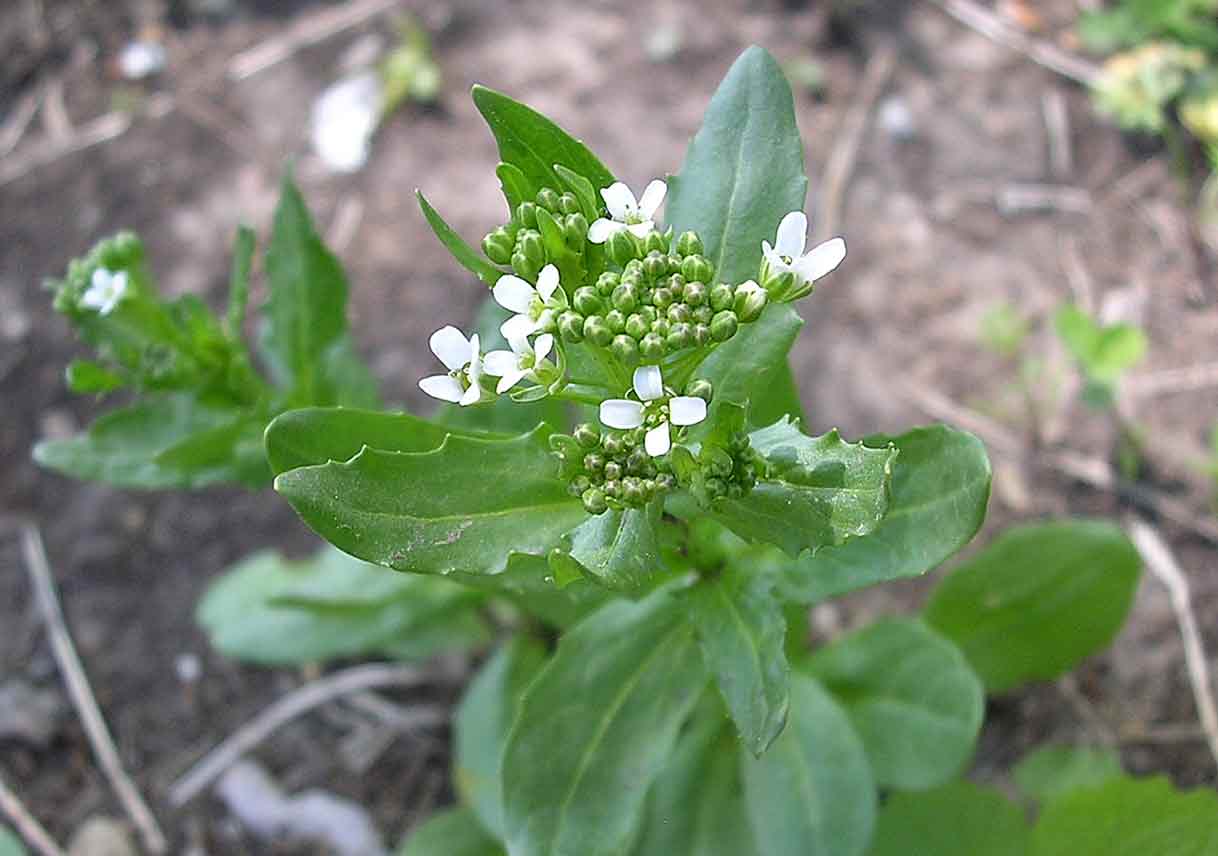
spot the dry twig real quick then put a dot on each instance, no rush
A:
(82, 695)
(1160, 561)
(292, 705)
(26, 824)
(1057, 130)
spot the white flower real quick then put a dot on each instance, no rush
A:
(513, 366)
(649, 387)
(789, 255)
(105, 290)
(628, 213)
(463, 359)
(534, 307)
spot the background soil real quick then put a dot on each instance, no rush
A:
(935, 244)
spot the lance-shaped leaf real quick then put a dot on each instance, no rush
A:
(1053, 771)
(462, 507)
(466, 256)
(812, 793)
(481, 727)
(940, 487)
(596, 727)
(451, 832)
(239, 281)
(958, 819)
(817, 490)
(752, 366)
(1038, 600)
(696, 808)
(742, 631)
(620, 548)
(533, 144)
(912, 697)
(531, 584)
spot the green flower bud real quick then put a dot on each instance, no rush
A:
(689, 244)
(716, 488)
(655, 243)
(526, 213)
(587, 435)
(597, 331)
(697, 268)
(575, 230)
(638, 460)
(665, 481)
(616, 320)
(652, 347)
(676, 283)
(612, 488)
(702, 334)
(694, 294)
(594, 501)
(648, 314)
(594, 462)
(613, 443)
(636, 327)
(703, 315)
(523, 267)
(613, 471)
(606, 282)
(749, 301)
(780, 286)
(734, 491)
(571, 327)
(622, 247)
(720, 297)
(634, 268)
(568, 204)
(662, 298)
(530, 244)
(587, 301)
(549, 199)
(655, 266)
(625, 298)
(498, 246)
(674, 261)
(632, 491)
(680, 336)
(679, 313)
(579, 484)
(625, 349)
(701, 388)
(660, 326)
(724, 325)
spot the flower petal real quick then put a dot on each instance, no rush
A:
(500, 363)
(621, 413)
(512, 292)
(648, 383)
(821, 260)
(472, 395)
(450, 346)
(509, 380)
(686, 410)
(642, 230)
(619, 200)
(792, 234)
(653, 198)
(443, 387)
(601, 229)
(547, 283)
(518, 327)
(101, 279)
(776, 262)
(658, 441)
(542, 346)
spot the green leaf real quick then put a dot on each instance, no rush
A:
(533, 144)
(589, 201)
(752, 366)
(742, 631)
(1052, 771)
(171, 441)
(1038, 600)
(530, 583)
(696, 807)
(481, 727)
(812, 793)
(451, 832)
(239, 281)
(462, 507)
(1129, 817)
(1104, 352)
(817, 491)
(85, 376)
(317, 435)
(596, 727)
(911, 696)
(940, 487)
(466, 256)
(514, 185)
(10, 844)
(957, 819)
(274, 611)
(620, 548)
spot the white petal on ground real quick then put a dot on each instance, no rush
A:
(512, 292)
(792, 235)
(653, 198)
(509, 380)
(547, 284)
(343, 119)
(542, 346)
(658, 441)
(687, 410)
(648, 383)
(621, 413)
(443, 387)
(601, 229)
(822, 260)
(500, 363)
(518, 327)
(451, 347)
(619, 200)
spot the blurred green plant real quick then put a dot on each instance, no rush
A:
(409, 72)
(1103, 352)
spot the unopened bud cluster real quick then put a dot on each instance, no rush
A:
(611, 469)
(538, 232)
(729, 471)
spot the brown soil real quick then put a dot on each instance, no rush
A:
(930, 253)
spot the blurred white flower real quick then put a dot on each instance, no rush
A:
(106, 289)
(343, 119)
(463, 359)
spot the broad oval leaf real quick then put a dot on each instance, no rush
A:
(481, 725)
(957, 819)
(451, 832)
(466, 256)
(812, 793)
(912, 697)
(1129, 817)
(1052, 771)
(620, 548)
(462, 507)
(529, 582)
(1038, 600)
(940, 488)
(752, 366)
(597, 726)
(818, 490)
